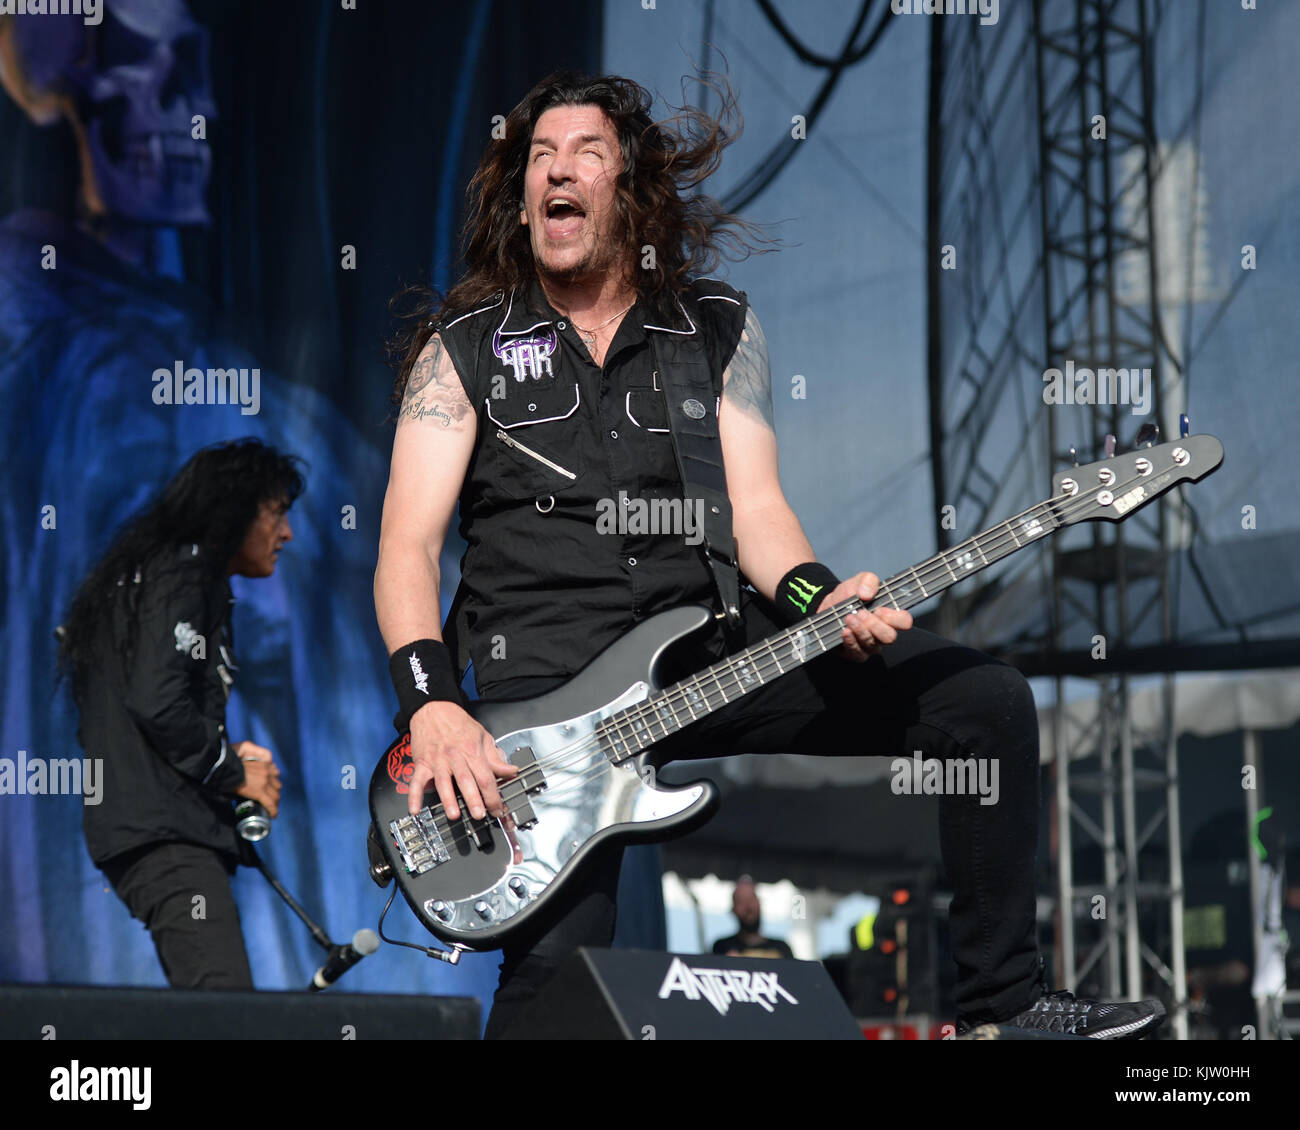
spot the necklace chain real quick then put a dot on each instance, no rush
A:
(589, 335)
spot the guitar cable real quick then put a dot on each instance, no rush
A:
(451, 957)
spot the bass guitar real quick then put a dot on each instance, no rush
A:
(581, 749)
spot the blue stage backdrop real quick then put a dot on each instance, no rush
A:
(334, 151)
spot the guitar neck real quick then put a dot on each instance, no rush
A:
(632, 731)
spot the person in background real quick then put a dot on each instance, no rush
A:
(749, 941)
(147, 643)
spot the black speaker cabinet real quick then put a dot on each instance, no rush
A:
(601, 994)
(81, 1013)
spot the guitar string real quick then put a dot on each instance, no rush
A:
(817, 626)
(567, 756)
(763, 657)
(578, 751)
(574, 754)
(763, 654)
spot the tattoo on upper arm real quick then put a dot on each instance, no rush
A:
(433, 390)
(747, 383)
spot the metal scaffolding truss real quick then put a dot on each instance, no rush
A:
(1116, 789)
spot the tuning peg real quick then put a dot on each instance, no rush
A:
(1184, 426)
(1110, 446)
(1147, 434)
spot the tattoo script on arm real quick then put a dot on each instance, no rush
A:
(433, 390)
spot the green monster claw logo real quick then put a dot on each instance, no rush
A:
(800, 588)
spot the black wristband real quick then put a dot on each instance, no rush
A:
(802, 589)
(422, 673)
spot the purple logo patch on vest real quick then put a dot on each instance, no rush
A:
(528, 356)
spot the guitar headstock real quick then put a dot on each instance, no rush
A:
(1112, 488)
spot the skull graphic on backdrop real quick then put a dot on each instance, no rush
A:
(138, 92)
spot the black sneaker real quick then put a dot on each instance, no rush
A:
(1065, 1014)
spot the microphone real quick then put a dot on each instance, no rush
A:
(343, 958)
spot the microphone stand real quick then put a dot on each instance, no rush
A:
(322, 938)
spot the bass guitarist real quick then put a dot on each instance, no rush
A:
(582, 359)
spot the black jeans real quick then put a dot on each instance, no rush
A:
(200, 944)
(920, 693)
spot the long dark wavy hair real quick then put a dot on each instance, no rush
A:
(210, 502)
(654, 202)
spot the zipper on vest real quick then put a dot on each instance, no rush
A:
(510, 441)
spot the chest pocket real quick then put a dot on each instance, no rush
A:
(646, 406)
(533, 433)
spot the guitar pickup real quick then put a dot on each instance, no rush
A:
(480, 831)
(531, 777)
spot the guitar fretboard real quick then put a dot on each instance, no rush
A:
(631, 731)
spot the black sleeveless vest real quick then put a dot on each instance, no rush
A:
(573, 510)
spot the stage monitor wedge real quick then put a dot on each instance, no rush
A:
(601, 994)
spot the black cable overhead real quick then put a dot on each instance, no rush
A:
(769, 168)
(806, 54)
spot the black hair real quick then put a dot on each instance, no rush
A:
(210, 502)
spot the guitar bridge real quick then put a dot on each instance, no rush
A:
(419, 842)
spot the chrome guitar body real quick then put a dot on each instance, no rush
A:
(583, 780)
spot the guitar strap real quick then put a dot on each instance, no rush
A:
(693, 397)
